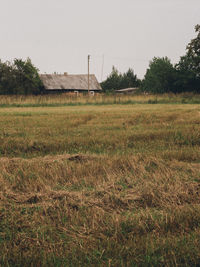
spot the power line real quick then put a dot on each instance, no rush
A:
(122, 58)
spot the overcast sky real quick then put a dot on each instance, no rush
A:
(59, 34)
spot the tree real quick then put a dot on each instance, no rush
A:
(27, 77)
(19, 77)
(160, 76)
(129, 79)
(193, 53)
(118, 80)
(188, 68)
(113, 80)
(6, 77)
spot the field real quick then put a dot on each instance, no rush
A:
(104, 181)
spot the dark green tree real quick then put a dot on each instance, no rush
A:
(113, 80)
(129, 79)
(188, 68)
(7, 79)
(160, 76)
(27, 77)
(117, 80)
(19, 77)
(193, 53)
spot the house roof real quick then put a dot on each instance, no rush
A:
(69, 82)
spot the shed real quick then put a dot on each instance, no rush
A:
(127, 90)
(69, 82)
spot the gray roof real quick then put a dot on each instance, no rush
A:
(127, 90)
(69, 82)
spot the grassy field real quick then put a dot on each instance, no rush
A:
(105, 181)
(70, 99)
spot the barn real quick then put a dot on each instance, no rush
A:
(70, 83)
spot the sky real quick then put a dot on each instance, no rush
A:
(58, 35)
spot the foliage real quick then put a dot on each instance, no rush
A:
(160, 76)
(188, 68)
(118, 80)
(193, 53)
(19, 77)
(163, 77)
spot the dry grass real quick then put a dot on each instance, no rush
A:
(67, 99)
(100, 185)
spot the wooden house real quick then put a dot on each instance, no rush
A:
(70, 83)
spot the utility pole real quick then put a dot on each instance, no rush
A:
(88, 74)
(102, 68)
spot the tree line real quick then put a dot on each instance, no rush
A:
(21, 76)
(117, 80)
(162, 76)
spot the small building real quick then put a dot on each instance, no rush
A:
(70, 83)
(127, 91)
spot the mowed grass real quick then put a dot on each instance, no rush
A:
(100, 185)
